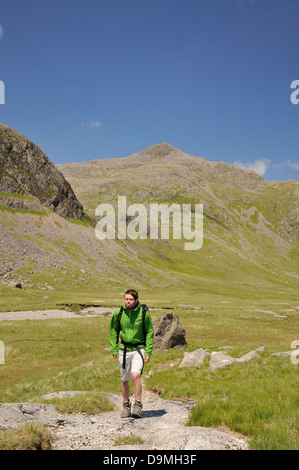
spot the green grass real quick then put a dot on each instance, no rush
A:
(245, 398)
(89, 403)
(24, 211)
(128, 440)
(49, 355)
(17, 195)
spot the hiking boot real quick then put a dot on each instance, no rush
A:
(137, 410)
(126, 412)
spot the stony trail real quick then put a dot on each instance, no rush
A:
(163, 427)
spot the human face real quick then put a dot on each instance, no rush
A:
(130, 301)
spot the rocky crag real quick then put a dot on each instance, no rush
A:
(25, 169)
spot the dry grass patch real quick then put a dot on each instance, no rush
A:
(30, 437)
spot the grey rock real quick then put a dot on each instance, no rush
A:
(51, 313)
(18, 414)
(169, 333)
(194, 358)
(220, 359)
(293, 352)
(261, 349)
(284, 317)
(198, 438)
(248, 356)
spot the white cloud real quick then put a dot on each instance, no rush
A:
(295, 166)
(1, 32)
(259, 166)
(91, 124)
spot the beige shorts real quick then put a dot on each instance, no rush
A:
(133, 363)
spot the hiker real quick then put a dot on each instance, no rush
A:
(133, 324)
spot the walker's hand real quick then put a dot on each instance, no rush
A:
(115, 356)
(146, 359)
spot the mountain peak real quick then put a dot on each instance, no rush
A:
(159, 149)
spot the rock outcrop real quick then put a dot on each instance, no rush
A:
(26, 169)
(169, 333)
(218, 359)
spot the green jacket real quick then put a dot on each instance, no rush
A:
(131, 329)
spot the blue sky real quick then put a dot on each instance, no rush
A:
(107, 78)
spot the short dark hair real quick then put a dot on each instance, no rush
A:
(133, 293)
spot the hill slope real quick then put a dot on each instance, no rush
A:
(251, 228)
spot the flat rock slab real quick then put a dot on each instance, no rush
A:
(163, 427)
(37, 315)
(48, 314)
(13, 415)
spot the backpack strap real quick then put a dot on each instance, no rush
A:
(144, 310)
(118, 322)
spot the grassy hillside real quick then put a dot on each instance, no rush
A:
(250, 245)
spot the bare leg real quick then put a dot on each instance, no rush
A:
(125, 390)
(137, 386)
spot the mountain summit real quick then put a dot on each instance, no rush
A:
(159, 149)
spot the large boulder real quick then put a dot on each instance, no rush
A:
(169, 333)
